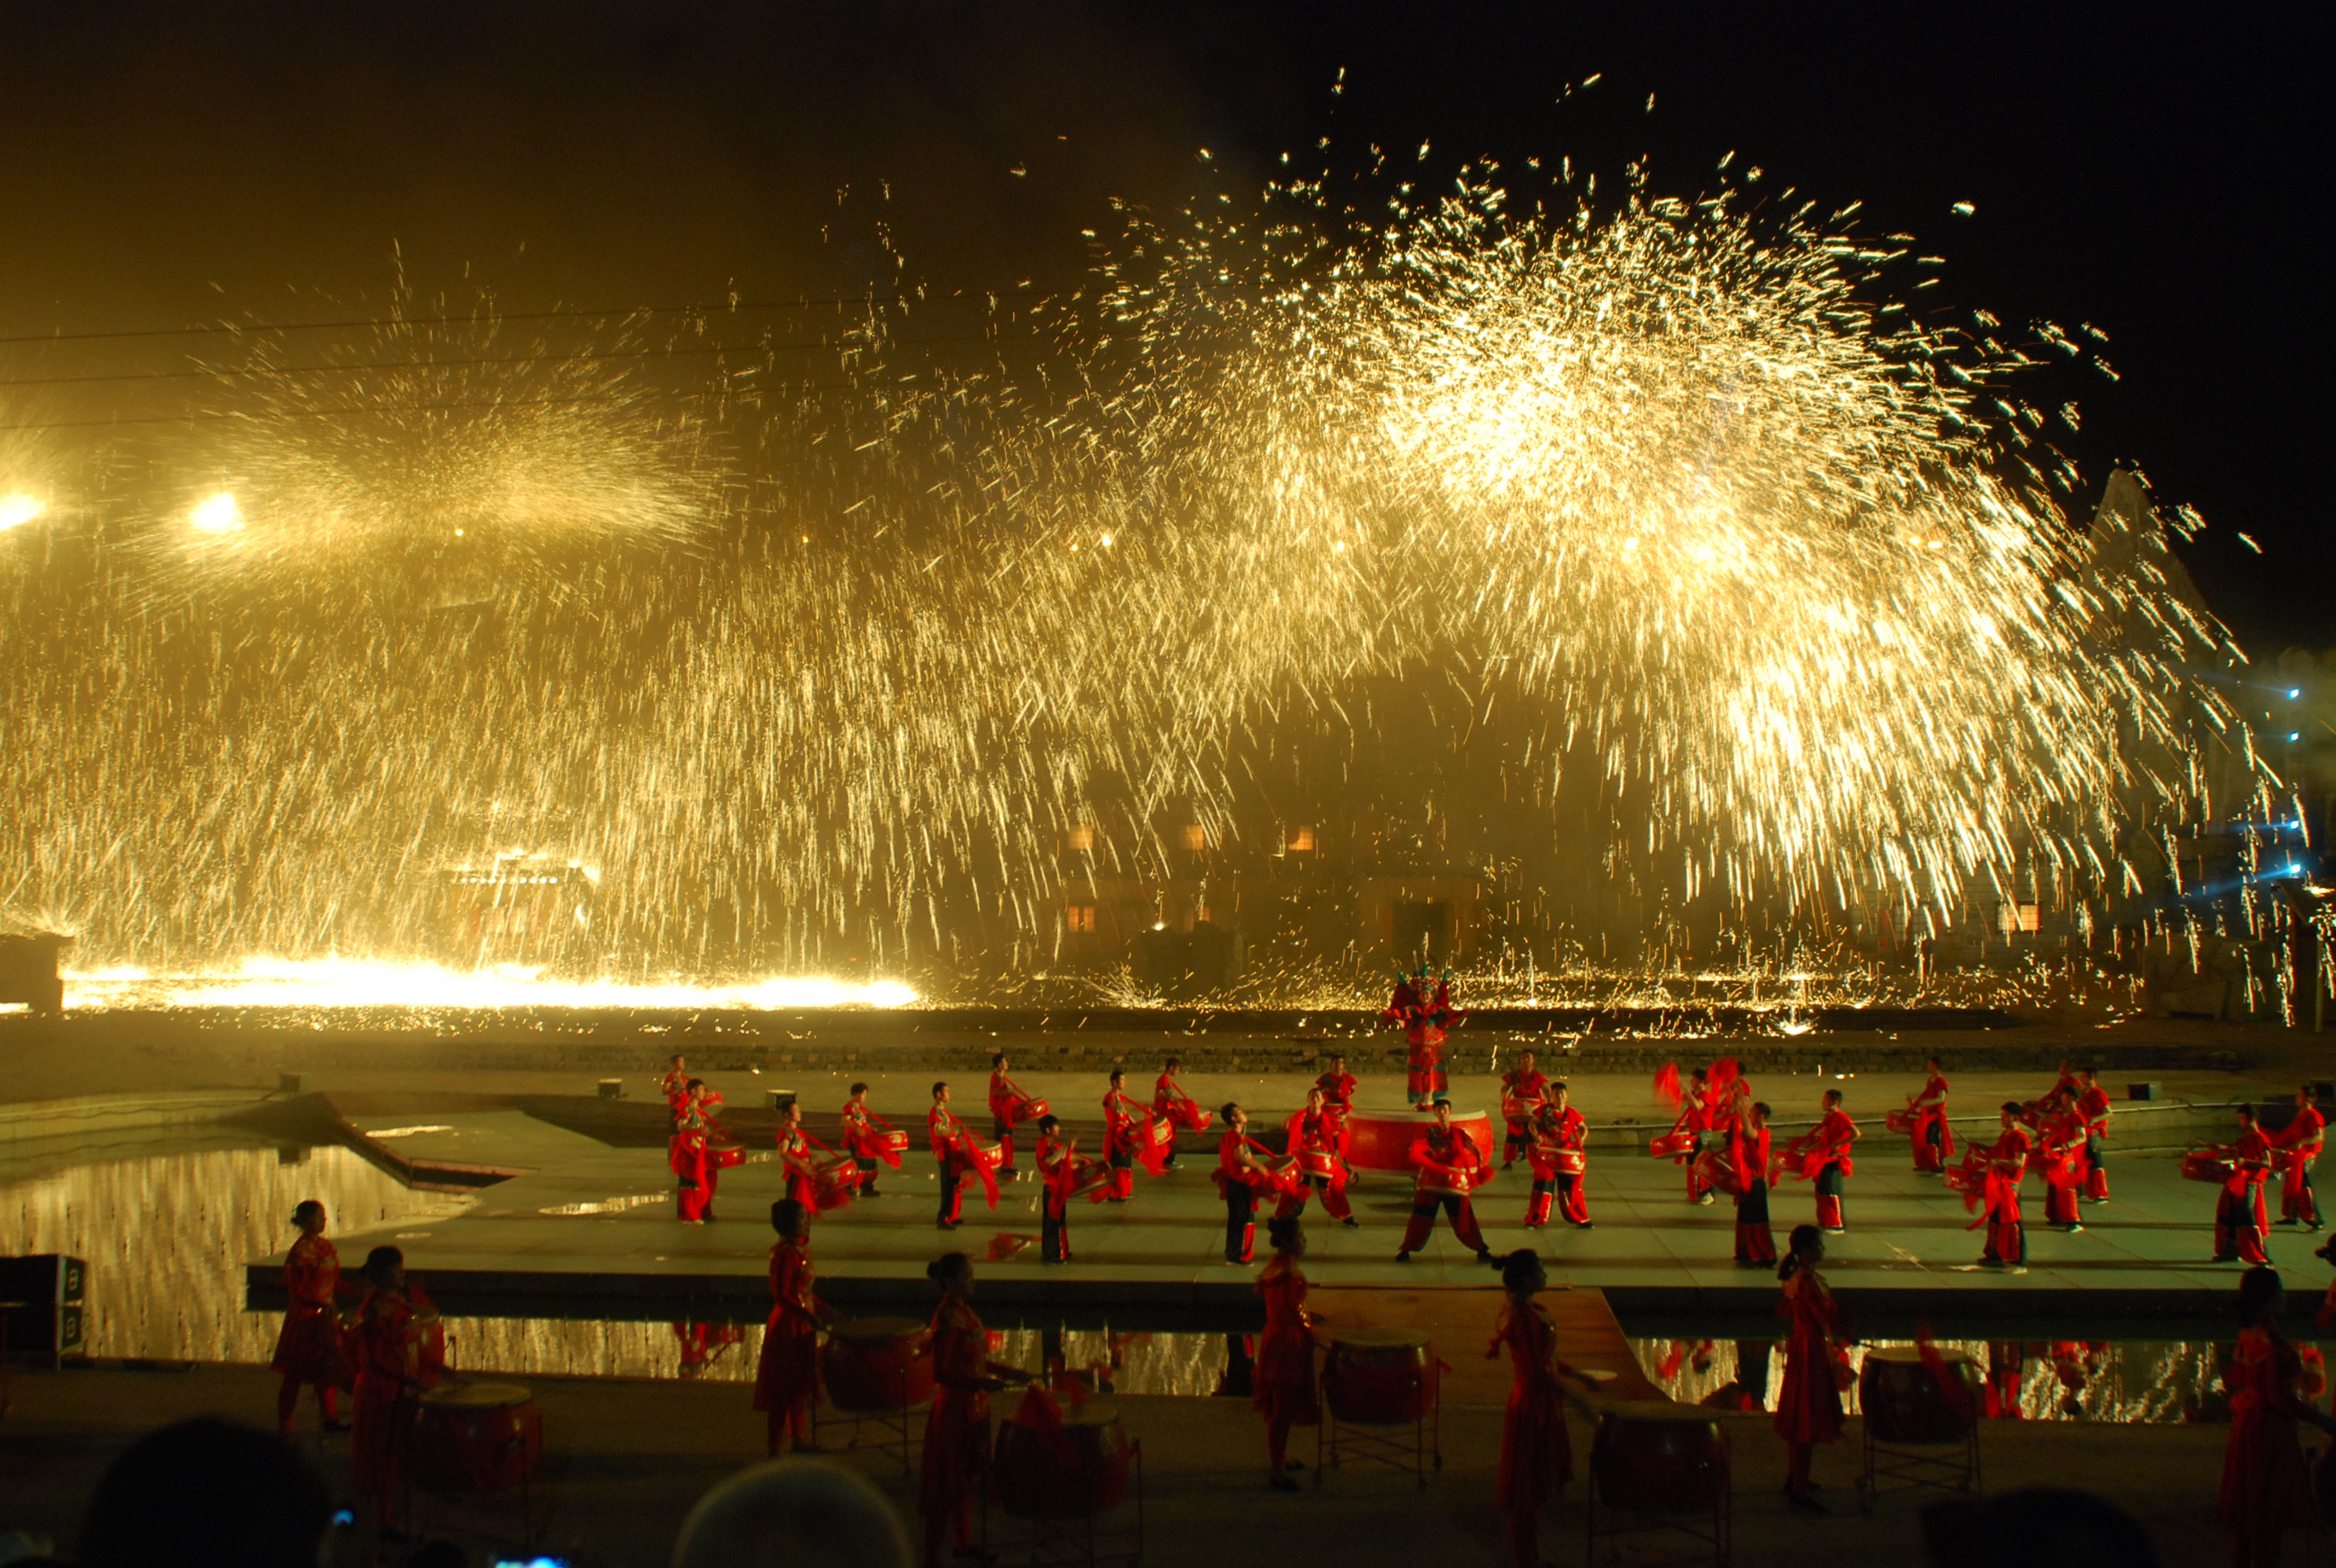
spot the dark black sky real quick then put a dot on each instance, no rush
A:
(2156, 171)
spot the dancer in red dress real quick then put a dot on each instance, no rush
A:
(864, 1135)
(1451, 1167)
(393, 1367)
(1829, 1154)
(308, 1350)
(2094, 1106)
(2240, 1215)
(1283, 1379)
(786, 1379)
(949, 1139)
(956, 1432)
(1747, 1152)
(2060, 1152)
(1172, 1105)
(1933, 1140)
(1537, 1453)
(795, 1159)
(2266, 1480)
(1009, 1106)
(1808, 1404)
(2298, 1145)
(1312, 1140)
(2006, 1166)
(1522, 1092)
(1242, 1174)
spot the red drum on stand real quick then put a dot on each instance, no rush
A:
(1379, 1377)
(2207, 1168)
(1382, 1140)
(1079, 1469)
(1906, 1400)
(475, 1437)
(1652, 1456)
(1671, 1145)
(876, 1364)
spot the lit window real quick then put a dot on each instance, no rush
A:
(1301, 838)
(1196, 838)
(2023, 918)
(1080, 917)
(1082, 837)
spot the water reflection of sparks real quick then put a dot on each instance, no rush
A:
(265, 982)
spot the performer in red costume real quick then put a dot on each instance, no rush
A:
(1283, 1379)
(2006, 1168)
(1933, 1140)
(1009, 1106)
(1560, 1158)
(950, 1140)
(794, 1158)
(2060, 1152)
(956, 1432)
(1808, 1404)
(1521, 1092)
(1172, 1105)
(1313, 1143)
(1747, 1151)
(786, 1380)
(1337, 1087)
(1425, 1018)
(1824, 1153)
(308, 1348)
(2298, 1145)
(1536, 1453)
(1241, 1173)
(391, 1341)
(700, 1153)
(1127, 1137)
(1451, 1167)
(2240, 1215)
(2266, 1479)
(864, 1135)
(1695, 1119)
(675, 1087)
(2094, 1106)
(1063, 1176)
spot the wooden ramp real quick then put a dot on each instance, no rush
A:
(1458, 1324)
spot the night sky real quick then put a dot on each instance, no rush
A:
(2159, 173)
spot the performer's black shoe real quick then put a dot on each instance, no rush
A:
(1402, 1257)
(1485, 1256)
(950, 1224)
(1750, 1263)
(1352, 1223)
(1582, 1225)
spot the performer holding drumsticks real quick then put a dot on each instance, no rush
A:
(956, 1432)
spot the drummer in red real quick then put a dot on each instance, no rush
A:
(1695, 1118)
(1241, 1173)
(795, 1159)
(956, 1431)
(1124, 1122)
(2297, 1146)
(391, 1369)
(1933, 1140)
(308, 1348)
(2239, 1210)
(2093, 1105)
(1536, 1453)
(675, 1087)
(1313, 1143)
(2061, 1152)
(1059, 1170)
(1808, 1405)
(1283, 1378)
(2007, 1166)
(1172, 1105)
(695, 1161)
(1747, 1153)
(786, 1378)
(1523, 1090)
(1834, 1139)
(1450, 1167)
(1560, 1159)
(863, 1136)
(1337, 1087)
(949, 1137)
(1009, 1106)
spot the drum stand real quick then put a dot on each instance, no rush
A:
(1932, 1468)
(1051, 1541)
(1336, 1441)
(1720, 1536)
(896, 1430)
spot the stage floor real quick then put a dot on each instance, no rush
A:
(592, 1233)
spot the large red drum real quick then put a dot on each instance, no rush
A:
(1382, 1140)
(836, 1183)
(1907, 1400)
(475, 1437)
(876, 1364)
(890, 1143)
(1671, 1145)
(1379, 1377)
(1570, 1162)
(1652, 1456)
(2207, 1167)
(990, 1154)
(1079, 1469)
(1718, 1173)
(1029, 1109)
(1899, 1122)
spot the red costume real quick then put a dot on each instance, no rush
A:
(1172, 1105)
(1521, 1094)
(1284, 1375)
(1747, 1153)
(1241, 1175)
(1064, 1175)
(2266, 1482)
(1338, 1101)
(2006, 1167)
(1313, 1140)
(787, 1380)
(1425, 1019)
(1808, 1404)
(2060, 1154)
(1695, 1121)
(953, 1146)
(1450, 1166)
(393, 1352)
(794, 1158)
(1559, 1155)
(1536, 1453)
(956, 1432)
(1009, 1106)
(2094, 1106)
(868, 1138)
(1933, 1140)
(1127, 1140)
(308, 1348)
(698, 1162)
(2239, 1216)
(1829, 1161)
(2298, 1145)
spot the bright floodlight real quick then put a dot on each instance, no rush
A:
(217, 514)
(20, 508)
